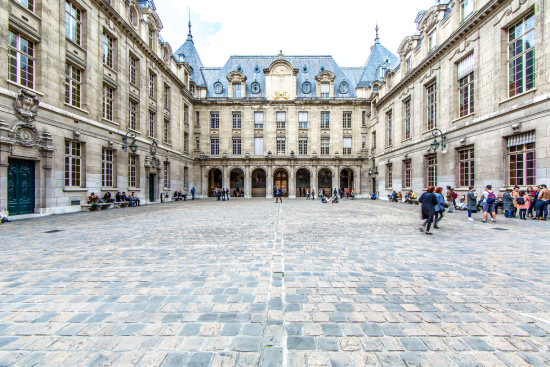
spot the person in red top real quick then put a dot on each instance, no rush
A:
(526, 200)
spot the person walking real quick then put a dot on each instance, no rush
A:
(307, 194)
(223, 194)
(523, 203)
(227, 193)
(335, 192)
(428, 201)
(508, 204)
(193, 193)
(489, 204)
(313, 193)
(440, 207)
(278, 195)
(542, 203)
(450, 198)
(471, 201)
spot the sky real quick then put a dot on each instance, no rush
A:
(223, 28)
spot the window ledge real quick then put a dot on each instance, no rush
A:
(463, 117)
(18, 4)
(75, 44)
(76, 108)
(22, 86)
(110, 68)
(406, 140)
(109, 189)
(518, 95)
(134, 189)
(111, 122)
(165, 189)
(135, 131)
(133, 85)
(167, 144)
(75, 189)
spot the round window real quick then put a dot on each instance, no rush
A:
(344, 88)
(218, 88)
(306, 88)
(255, 88)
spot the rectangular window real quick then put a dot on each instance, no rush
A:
(166, 98)
(325, 90)
(466, 95)
(407, 122)
(521, 159)
(407, 173)
(186, 114)
(166, 134)
(21, 60)
(73, 17)
(432, 39)
(152, 118)
(185, 177)
(132, 122)
(466, 167)
(347, 146)
(197, 142)
(408, 62)
(281, 120)
(236, 90)
(302, 120)
(258, 120)
(325, 120)
(521, 56)
(346, 120)
(325, 146)
(166, 173)
(236, 146)
(29, 4)
(132, 170)
(258, 146)
(107, 50)
(107, 103)
(389, 176)
(236, 120)
(466, 8)
(302, 146)
(364, 118)
(214, 120)
(364, 142)
(73, 159)
(389, 129)
(152, 83)
(214, 146)
(431, 170)
(374, 140)
(431, 94)
(107, 168)
(198, 118)
(132, 69)
(281, 145)
(72, 85)
(151, 38)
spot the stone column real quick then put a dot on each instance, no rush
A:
(225, 176)
(358, 182)
(313, 180)
(4, 149)
(269, 184)
(204, 183)
(292, 182)
(247, 182)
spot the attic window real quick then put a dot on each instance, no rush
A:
(382, 72)
(304, 69)
(257, 69)
(375, 88)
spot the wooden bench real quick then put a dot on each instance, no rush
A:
(101, 206)
(121, 204)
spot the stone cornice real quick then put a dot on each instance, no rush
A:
(267, 102)
(451, 41)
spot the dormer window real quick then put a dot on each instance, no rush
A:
(325, 90)
(375, 89)
(151, 38)
(408, 62)
(432, 39)
(466, 8)
(236, 90)
(382, 72)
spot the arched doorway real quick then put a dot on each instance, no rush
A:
(324, 180)
(280, 180)
(259, 183)
(302, 181)
(346, 179)
(214, 180)
(236, 183)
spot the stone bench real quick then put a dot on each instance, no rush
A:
(121, 204)
(101, 206)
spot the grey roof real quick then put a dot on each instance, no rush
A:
(378, 55)
(191, 56)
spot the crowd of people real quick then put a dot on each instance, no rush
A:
(221, 194)
(120, 197)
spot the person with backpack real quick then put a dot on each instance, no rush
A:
(489, 204)
(508, 204)
(450, 197)
(471, 201)
(523, 203)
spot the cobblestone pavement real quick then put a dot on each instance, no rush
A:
(253, 283)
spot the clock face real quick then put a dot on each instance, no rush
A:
(344, 88)
(255, 88)
(306, 88)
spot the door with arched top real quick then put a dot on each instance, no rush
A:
(280, 180)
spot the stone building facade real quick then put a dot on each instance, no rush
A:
(474, 79)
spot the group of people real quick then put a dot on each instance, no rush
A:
(121, 197)
(222, 194)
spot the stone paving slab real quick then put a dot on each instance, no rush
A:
(253, 283)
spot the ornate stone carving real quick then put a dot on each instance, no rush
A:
(429, 20)
(281, 70)
(278, 96)
(405, 47)
(429, 73)
(466, 44)
(153, 161)
(26, 135)
(509, 11)
(26, 106)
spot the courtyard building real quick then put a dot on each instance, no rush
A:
(94, 100)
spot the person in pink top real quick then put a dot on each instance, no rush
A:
(522, 202)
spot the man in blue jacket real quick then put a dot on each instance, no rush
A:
(278, 194)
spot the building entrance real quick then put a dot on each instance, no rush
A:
(302, 181)
(325, 181)
(214, 180)
(236, 183)
(280, 180)
(259, 183)
(346, 179)
(20, 186)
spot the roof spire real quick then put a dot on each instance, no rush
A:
(189, 36)
(377, 39)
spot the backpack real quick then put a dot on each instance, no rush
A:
(491, 198)
(455, 195)
(520, 200)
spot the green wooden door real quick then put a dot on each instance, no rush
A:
(20, 186)
(151, 187)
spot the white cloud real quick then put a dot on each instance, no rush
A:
(223, 28)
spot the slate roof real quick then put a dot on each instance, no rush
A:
(191, 56)
(378, 55)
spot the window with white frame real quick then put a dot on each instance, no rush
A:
(132, 69)
(407, 118)
(466, 9)
(132, 118)
(72, 85)
(431, 170)
(466, 86)
(325, 120)
(73, 160)
(466, 167)
(108, 50)
(281, 120)
(374, 140)
(389, 129)
(185, 177)
(132, 170)
(152, 120)
(346, 120)
(364, 142)
(521, 159)
(347, 146)
(325, 90)
(107, 167)
(151, 38)
(107, 103)
(198, 118)
(214, 146)
(73, 19)
(389, 176)
(325, 146)
(21, 60)
(28, 4)
(258, 146)
(197, 142)
(166, 133)
(408, 62)
(431, 106)
(302, 120)
(236, 120)
(214, 120)
(236, 90)
(236, 146)
(166, 177)
(302, 146)
(152, 85)
(364, 118)
(258, 120)
(432, 39)
(407, 173)
(186, 114)
(281, 145)
(166, 99)
(521, 56)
